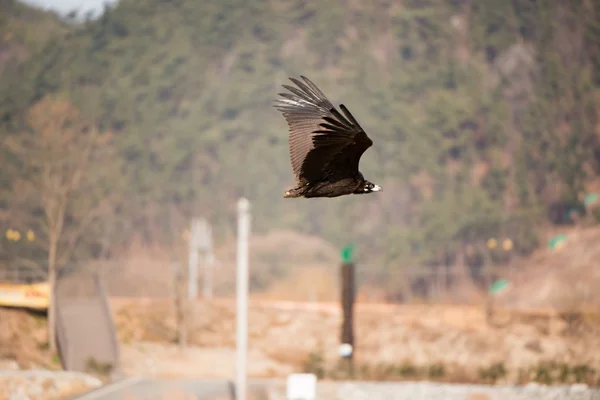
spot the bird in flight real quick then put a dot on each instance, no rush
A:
(325, 146)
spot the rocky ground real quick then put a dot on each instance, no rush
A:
(433, 391)
(43, 385)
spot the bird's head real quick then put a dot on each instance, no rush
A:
(368, 187)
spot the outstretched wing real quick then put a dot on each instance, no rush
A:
(323, 143)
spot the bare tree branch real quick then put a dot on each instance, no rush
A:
(66, 165)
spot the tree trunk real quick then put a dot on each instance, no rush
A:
(463, 284)
(52, 278)
(180, 306)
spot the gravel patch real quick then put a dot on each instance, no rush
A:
(43, 384)
(435, 391)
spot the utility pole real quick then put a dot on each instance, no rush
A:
(209, 261)
(193, 245)
(243, 228)
(206, 249)
(200, 242)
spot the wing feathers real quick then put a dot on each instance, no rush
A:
(311, 90)
(341, 120)
(325, 138)
(322, 141)
(348, 114)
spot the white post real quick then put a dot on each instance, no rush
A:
(208, 261)
(208, 269)
(243, 208)
(193, 275)
(193, 260)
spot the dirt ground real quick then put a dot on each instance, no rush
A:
(282, 336)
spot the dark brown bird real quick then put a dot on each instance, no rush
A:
(325, 146)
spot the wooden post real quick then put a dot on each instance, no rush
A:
(348, 304)
(348, 292)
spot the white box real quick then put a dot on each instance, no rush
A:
(301, 387)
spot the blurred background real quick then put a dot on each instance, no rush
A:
(122, 122)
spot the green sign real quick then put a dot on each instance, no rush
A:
(347, 253)
(590, 198)
(556, 240)
(499, 286)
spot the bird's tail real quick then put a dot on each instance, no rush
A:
(292, 193)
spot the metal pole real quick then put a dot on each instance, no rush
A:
(193, 261)
(243, 208)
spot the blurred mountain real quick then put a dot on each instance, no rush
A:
(24, 30)
(484, 115)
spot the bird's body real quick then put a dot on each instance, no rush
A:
(325, 188)
(325, 146)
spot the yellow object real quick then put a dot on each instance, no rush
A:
(35, 296)
(492, 243)
(13, 235)
(507, 244)
(30, 235)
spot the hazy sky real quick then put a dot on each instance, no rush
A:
(65, 6)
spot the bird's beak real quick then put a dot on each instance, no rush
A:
(377, 188)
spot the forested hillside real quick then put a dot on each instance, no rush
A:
(483, 115)
(24, 31)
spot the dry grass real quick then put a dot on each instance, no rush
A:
(390, 341)
(566, 278)
(24, 338)
(304, 284)
(454, 337)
